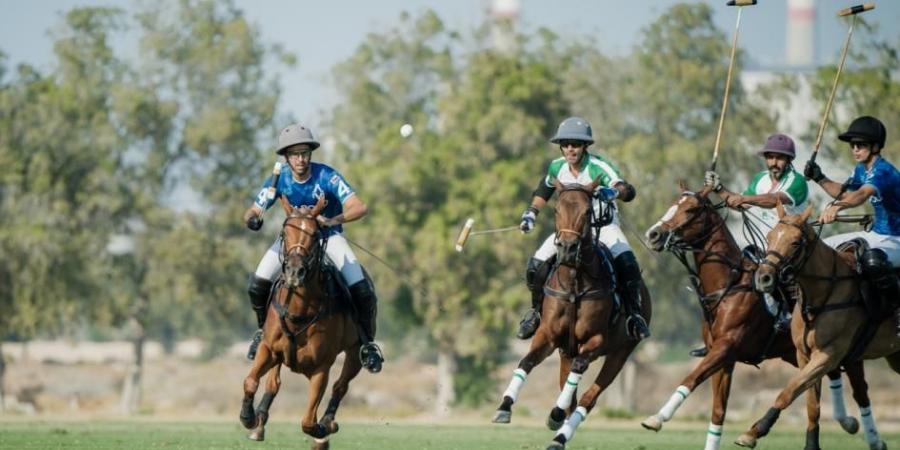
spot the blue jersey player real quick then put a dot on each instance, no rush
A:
(303, 185)
(876, 180)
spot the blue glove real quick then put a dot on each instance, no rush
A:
(607, 194)
(528, 218)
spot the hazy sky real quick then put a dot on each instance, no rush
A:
(321, 33)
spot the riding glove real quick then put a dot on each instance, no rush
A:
(812, 171)
(607, 194)
(712, 180)
(528, 218)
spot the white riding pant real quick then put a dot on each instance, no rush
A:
(890, 244)
(337, 250)
(611, 236)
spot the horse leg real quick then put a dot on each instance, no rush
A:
(838, 410)
(261, 364)
(721, 390)
(349, 371)
(318, 381)
(857, 377)
(565, 365)
(612, 365)
(813, 411)
(720, 355)
(589, 352)
(541, 348)
(811, 371)
(273, 384)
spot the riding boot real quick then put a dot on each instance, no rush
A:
(877, 269)
(535, 276)
(367, 308)
(628, 274)
(258, 291)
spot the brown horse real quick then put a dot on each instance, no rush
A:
(737, 327)
(826, 322)
(579, 317)
(305, 331)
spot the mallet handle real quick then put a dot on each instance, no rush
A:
(853, 10)
(837, 77)
(737, 28)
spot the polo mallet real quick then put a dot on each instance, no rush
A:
(737, 28)
(467, 231)
(270, 192)
(852, 11)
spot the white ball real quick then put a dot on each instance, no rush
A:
(406, 130)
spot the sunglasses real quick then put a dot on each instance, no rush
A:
(861, 145)
(567, 144)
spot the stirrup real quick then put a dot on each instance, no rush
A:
(699, 352)
(371, 357)
(636, 327)
(529, 324)
(254, 344)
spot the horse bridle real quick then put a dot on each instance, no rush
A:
(307, 257)
(786, 266)
(675, 242)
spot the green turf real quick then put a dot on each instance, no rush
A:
(139, 434)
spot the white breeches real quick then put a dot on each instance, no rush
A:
(890, 244)
(337, 250)
(611, 236)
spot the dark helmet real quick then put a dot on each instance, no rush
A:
(295, 134)
(778, 143)
(573, 129)
(865, 129)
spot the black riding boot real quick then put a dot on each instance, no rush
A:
(367, 308)
(628, 274)
(258, 291)
(535, 276)
(880, 273)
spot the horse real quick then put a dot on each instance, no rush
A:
(737, 327)
(305, 330)
(580, 316)
(826, 324)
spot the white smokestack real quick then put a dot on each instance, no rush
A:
(800, 33)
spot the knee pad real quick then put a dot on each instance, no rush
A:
(875, 264)
(258, 290)
(627, 267)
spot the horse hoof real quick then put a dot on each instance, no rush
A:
(881, 445)
(849, 424)
(257, 434)
(553, 445)
(330, 425)
(556, 418)
(321, 444)
(502, 416)
(746, 440)
(652, 423)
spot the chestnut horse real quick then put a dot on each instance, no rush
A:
(826, 322)
(579, 316)
(305, 330)
(737, 327)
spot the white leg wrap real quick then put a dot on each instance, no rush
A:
(565, 397)
(868, 423)
(515, 384)
(568, 428)
(713, 437)
(675, 401)
(837, 399)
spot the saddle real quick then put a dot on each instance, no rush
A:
(606, 258)
(335, 288)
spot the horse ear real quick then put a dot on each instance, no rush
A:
(557, 184)
(682, 185)
(286, 205)
(704, 191)
(319, 206)
(807, 212)
(779, 207)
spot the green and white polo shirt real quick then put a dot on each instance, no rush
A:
(792, 183)
(592, 166)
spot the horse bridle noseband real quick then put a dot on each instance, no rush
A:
(307, 258)
(706, 207)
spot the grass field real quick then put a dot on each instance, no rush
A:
(141, 434)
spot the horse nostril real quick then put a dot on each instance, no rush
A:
(653, 235)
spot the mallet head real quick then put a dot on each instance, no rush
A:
(741, 2)
(464, 234)
(856, 9)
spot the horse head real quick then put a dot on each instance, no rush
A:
(690, 221)
(790, 243)
(300, 240)
(573, 220)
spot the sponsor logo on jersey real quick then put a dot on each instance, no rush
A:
(334, 179)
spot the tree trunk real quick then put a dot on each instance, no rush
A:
(2, 379)
(131, 389)
(446, 369)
